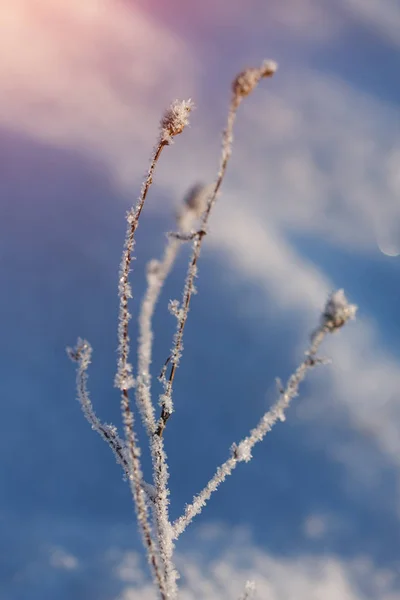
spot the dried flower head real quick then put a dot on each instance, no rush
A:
(175, 119)
(81, 353)
(193, 206)
(195, 198)
(247, 80)
(337, 311)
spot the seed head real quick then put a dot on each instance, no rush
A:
(175, 119)
(338, 311)
(193, 206)
(247, 80)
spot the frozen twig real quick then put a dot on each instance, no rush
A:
(161, 513)
(157, 273)
(124, 378)
(173, 122)
(336, 313)
(82, 354)
(242, 86)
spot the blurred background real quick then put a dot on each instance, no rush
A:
(311, 203)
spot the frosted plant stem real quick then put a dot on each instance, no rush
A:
(242, 86)
(242, 451)
(157, 273)
(82, 354)
(156, 276)
(337, 312)
(124, 378)
(191, 273)
(161, 513)
(139, 496)
(172, 124)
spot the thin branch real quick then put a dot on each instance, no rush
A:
(336, 313)
(161, 513)
(82, 354)
(157, 273)
(241, 87)
(173, 123)
(124, 378)
(192, 207)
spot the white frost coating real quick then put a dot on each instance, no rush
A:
(124, 378)
(127, 456)
(82, 354)
(242, 452)
(166, 401)
(161, 514)
(242, 86)
(157, 273)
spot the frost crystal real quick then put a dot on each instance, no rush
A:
(124, 383)
(173, 307)
(166, 401)
(337, 311)
(242, 452)
(175, 119)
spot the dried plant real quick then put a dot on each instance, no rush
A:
(151, 500)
